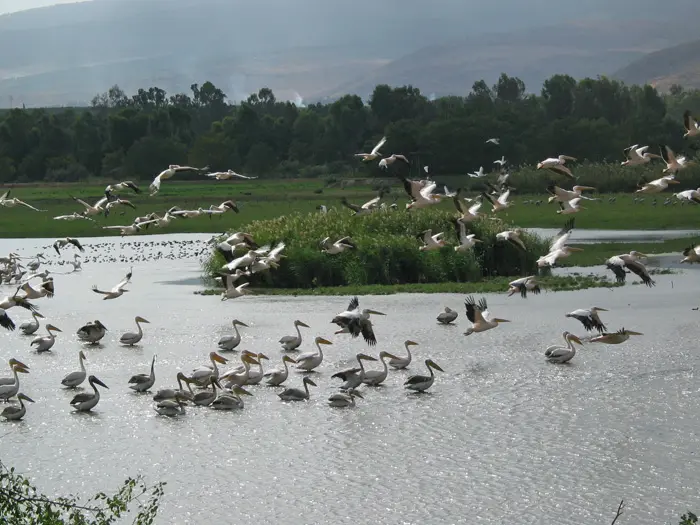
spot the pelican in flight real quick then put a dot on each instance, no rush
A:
(170, 172)
(366, 208)
(562, 195)
(297, 394)
(421, 383)
(277, 376)
(127, 184)
(75, 379)
(388, 161)
(11, 203)
(224, 207)
(130, 229)
(656, 186)
(637, 156)
(478, 174)
(589, 318)
(143, 382)
(513, 237)
(292, 342)
(344, 399)
(46, 289)
(498, 204)
(45, 343)
(75, 216)
(399, 363)
(374, 154)
(338, 246)
(229, 342)
(478, 315)
(689, 196)
(16, 413)
(117, 291)
(466, 242)
(557, 164)
(231, 291)
(523, 286)
(228, 174)
(430, 241)
(131, 338)
(467, 214)
(353, 377)
(690, 255)
(563, 354)
(62, 243)
(558, 249)
(674, 164)
(86, 401)
(31, 327)
(692, 129)
(310, 360)
(92, 332)
(421, 192)
(448, 316)
(570, 207)
(357, 321)
(618, 263)
(614, 338)
(377, 377)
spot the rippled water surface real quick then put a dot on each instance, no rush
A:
(502, 437)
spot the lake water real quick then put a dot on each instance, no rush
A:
(502, 437)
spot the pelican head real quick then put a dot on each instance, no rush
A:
(637, 254)
(53, 328)
(262, 356)
(301, 323)
(239, 323)
(94, 380)
(571, 337)
(432, 364)
(630, 332)
(410, 343)
(20, 369)
(14, 362)
(140, 319)
(26, 398)
(387, 354)
(250, 360)
(216, 357)
(37, 314)
(240, 391)
(309, 381)
(355, 393)
(574, 249)
(81, 355)
(100, 325)
(288, 359)
(597, 309)
(366, 357)
(372, 312)
(322, 341)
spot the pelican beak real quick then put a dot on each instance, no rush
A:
(575, 339)
(634, 333)
(27, 398)
(411, 343)
(289, 359)
(303, 324)
(219, 359)
(142, 320)
(673, 181)
(478, 240)
(37, 314)
(14, 362)
(601, 309)
(374, 312)
(368, 357)
(310, 382)
(100, 383)
(642, 254)
(357, 394)
(390, 356)
(435, 366)
(573, 249)
(502, 320)
(239, 390)
(242, 324)
(251, 360)
(56, 329)
(263, 356)
(21, 370)
(323, 341)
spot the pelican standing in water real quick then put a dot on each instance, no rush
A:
(419, 383)
(353, 377)
(201, 376)
(10, 380)
(255, 376)
(478, 315)
(229, 342)
(11, 389)
(614, 338)
(74, 379)
(206, 398)
(310, 360)
(170, 393)
(45, 343)
(86, 401)
(131, 338)
(448, 316)
(563, 354)
(239, 376)
(31, 327)
(277, 376)
(297, 394)
(292, 342)
(589, 318)
(231, 400)
(377, 377)
(16, 413)
(344, 399)
(92, 332)
(357, 322)
(173, 406)
(143, 382)
(399, 363)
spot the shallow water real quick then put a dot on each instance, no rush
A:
(502, 437)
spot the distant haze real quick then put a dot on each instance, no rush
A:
(10, 6)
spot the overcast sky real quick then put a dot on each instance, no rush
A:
(8, 6)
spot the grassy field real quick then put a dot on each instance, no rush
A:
(268, 199)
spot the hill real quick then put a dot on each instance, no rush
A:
(674, 65)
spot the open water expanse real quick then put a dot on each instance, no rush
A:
(502, 437)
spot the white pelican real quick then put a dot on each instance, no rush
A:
(143, 382)
(92, 332)
(292, 342)
(241, 237)
(46, 289)
(230, 400)
(157, 221)
(557, 164)
(11, 203)
(231, 291)
(614, 338)
(16, 413)
(637, 156)
(422, 193)
(239, 376)
(467, 214)
(118, 290)
(563, 354)
(206, 398)
(355, 321)
(117, 202)
(466, 242)
(589, 318)
(689, 196)
(243, 261)
(448, 316)
(86, 401)
(692, 129)
(690, 255)
(10, 380)
(131, 338)
(130, 229)
(478, 315)
(501, 162)
(499, 204)
(45, 343)
(202, 375)
(388, 161)
(344, 399)
(353, 377)
(89, 210)
(338, 246)
(478, 174)
(74, 379)
(10, 302)
(228, 174)
(173, 406)
(170, 393)
(73, 217)
(10, 389)
(558, 249)
(277, 376)
(513, 237)
(225, 206)
(674, 164)
(255, 376)
(190, 214)
(524, 285)
(399, 363)
(562, 195)
(77, 265)
(5, 320)
(430, 241)
(297, 394)
(310, 360)
(419, 383)
(494, 141)
(657, 185)
(168, 173)
(377, 377)
(366, 157)
(569, 207)
(62, 243)
(30, 327)
(122, 186)
(366, 208)
(618, 263)
(229, 342)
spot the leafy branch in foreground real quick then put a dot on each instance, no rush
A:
(21, 503)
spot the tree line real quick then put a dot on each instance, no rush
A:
(135, 137)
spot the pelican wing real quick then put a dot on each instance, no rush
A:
(139, 378)
(353, 207)
(376, 148)
(368, 332)
(82, 398)
(76, 243)
(426, 236)
(473, 310)
(345, 374)
(96, 290)
(474, 208)
(427, 191)
(48, 287)
(563, 236)
(354, 304)
(458, 203)
(371, 203)
(639, 269)
(562, 169)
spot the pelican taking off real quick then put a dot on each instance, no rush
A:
(690, 255)
(637, 156)
(618, 263)
(656, 186)
(366, 157)
(229, 174)
(388, 161)
(168, 173)
(338, 246)
(692, 129)
(500, 203)
(674, 164)
(62, 243)
(478, 315)
(430, 241)
(614, 338)
(589, 318)
(563, 354)
(524, 285)
(558, 249)
(513, 237)
(357, 322)
(557, 164)
(117, 291)
(466, 242)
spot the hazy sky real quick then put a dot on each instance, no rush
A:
(8, 6)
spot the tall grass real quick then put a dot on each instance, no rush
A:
(388, 250)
